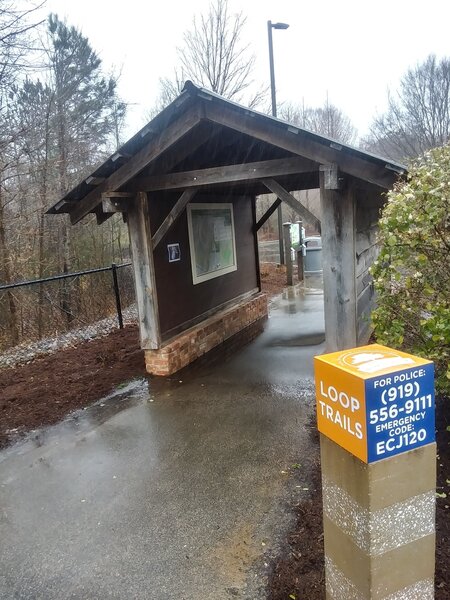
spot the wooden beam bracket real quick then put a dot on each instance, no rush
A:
(176, 211)
(332, 178)
(269, 212)
(289, 199)
(114, 202)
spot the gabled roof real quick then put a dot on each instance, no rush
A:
(201, 129)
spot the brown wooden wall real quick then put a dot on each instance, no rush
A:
(179, 300)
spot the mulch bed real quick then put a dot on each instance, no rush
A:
(299, 569)
(442, 578)
(298, 573)
(273, 278)
(49, 388)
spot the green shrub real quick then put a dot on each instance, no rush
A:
(412, 273)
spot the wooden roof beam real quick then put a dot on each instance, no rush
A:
(202, 136)
(169, 136)
(224, 174)
(289, 199)
(301, 143)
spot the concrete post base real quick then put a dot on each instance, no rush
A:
(379, 524)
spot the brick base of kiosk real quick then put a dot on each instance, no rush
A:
(244, 319)
(379, 524)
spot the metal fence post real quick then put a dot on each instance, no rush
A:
(117, 295)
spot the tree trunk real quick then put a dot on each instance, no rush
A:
(7, 270)
(65, 226)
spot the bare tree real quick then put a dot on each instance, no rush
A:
(16, 27)
(214, 56)
(15, 41)
(418, 114)
(327, 120)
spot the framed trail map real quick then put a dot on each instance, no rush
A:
(212, 240)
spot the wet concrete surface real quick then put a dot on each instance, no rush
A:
(167, 489)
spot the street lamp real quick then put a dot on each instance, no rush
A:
(271, 26)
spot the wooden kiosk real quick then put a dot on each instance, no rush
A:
(186, 185)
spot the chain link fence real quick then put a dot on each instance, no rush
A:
(89, 303)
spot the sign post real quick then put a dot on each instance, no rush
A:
(375, 413)
(288, 252)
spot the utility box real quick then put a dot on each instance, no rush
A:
(313, 254)
(375, 402)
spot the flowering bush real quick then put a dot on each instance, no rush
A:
(412, 273)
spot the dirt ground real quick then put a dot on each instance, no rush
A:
(47, 389)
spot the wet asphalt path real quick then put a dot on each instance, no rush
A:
(167, 489)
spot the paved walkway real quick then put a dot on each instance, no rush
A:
(167, 489)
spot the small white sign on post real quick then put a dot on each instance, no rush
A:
(295, 234)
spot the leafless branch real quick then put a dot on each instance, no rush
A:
(418, 114)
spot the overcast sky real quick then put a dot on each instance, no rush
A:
(351, 49)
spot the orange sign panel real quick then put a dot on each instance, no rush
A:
(375, 401)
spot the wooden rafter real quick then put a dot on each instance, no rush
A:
(91, 180)
(289, 199)
(183, 149)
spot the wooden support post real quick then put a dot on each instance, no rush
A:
(339, 258)
(332, 181)
(287, 252)
(144, 272)
(280, 234)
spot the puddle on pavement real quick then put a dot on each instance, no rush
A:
(313, 339)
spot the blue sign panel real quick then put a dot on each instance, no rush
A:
(400, 411)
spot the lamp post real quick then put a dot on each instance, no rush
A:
(271, 26)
